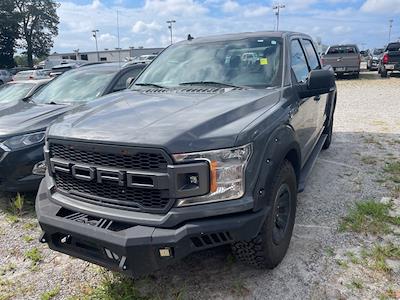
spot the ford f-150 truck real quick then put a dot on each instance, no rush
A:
(344, 59)
(205, 149)
(390, 60)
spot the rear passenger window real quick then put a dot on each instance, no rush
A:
(312, 56)
(299, 63)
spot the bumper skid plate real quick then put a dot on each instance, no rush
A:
(137, 250)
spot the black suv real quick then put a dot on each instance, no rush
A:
(209, 147)
(23, 123)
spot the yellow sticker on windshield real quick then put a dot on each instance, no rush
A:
(263, 61)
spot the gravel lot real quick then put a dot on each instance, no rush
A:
(366, 137)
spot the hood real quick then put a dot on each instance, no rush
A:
(20, 117)
(172, 119)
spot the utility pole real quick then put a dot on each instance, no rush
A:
(390, 29)
(170, 22)
(277, 8)
(95, 31)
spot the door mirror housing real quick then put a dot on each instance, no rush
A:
(321, 81)
(129, 81)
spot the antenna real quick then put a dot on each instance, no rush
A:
(170, 22)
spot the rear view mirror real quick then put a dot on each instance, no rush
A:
(319, 82)
(129, 81)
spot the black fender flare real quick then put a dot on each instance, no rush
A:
(282, 141)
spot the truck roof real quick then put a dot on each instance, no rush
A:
(242, 35)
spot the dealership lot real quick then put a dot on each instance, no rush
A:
(367, 136)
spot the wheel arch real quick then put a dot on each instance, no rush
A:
(282, 144)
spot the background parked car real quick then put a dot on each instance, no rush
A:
(390, 60)
(376, 55)
(365, 56)
(345, 59)
(31, 74)
(23, 125)
(5, 76)
(18, 90)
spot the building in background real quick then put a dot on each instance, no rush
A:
(113, 55)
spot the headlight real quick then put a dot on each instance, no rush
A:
(227, 167)
(21, 141)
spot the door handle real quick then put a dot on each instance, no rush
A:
(317, 98)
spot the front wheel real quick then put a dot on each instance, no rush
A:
(384, 73)
(269, 247)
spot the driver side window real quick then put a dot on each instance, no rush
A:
(298, 61)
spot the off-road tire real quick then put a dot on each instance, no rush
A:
(384, 73)
(263, 252)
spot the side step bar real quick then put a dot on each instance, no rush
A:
(310, 163)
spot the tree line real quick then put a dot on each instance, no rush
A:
(30, 25)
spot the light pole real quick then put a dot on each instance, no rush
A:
(390, 29)
(170, 22)
(95, 31)
(277, 9)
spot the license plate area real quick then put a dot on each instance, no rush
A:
(389, 67)
(340, 69)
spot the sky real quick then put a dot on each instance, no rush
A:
(143, 22)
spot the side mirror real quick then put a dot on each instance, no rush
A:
(319, 82)
(129, 81)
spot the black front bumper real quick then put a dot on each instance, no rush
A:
(135, 249)
(16, 169)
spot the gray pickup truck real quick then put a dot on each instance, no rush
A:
(390, 60)
(344, 59)
(207, 148)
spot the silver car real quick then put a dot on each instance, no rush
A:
(5, 76)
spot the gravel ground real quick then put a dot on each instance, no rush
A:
(367, 124)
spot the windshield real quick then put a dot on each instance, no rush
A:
(75, 86)
(253, 62)
(14, 91)
(378, 51)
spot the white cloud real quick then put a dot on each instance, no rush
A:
(174, 7)
(230, 6)
(107, 38)
(141, 26)
(341, 29)
(253, 11)
(381, 6)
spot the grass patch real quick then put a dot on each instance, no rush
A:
(17, 205)
(330, 251)
(352, 257)
(35, 255)
(369, 160)
(27, 238)
(342, 263)
(393, 168)
(372, 140)
(369, 216)
(7, 268)
(357, 283)
(113, 286)
(50, 294)
(380, 253)
(30, 225)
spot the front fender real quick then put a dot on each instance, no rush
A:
(281, 142)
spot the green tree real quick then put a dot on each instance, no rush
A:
(38, 26)
(8, 33)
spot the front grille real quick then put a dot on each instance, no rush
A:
(137, 161)
(109, 193)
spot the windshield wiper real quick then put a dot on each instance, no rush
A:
(210, 83)
(51, 102)
(150, 84)
(28, 99)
